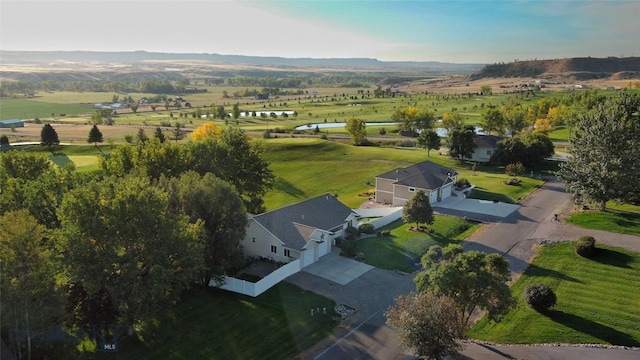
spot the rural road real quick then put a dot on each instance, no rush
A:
(368, 337)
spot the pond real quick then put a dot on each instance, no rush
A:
(339, 125)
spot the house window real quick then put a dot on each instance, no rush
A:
(287, 252)
(488, 152)
(412, 189)
(274, 249)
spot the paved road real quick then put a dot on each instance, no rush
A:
(365, 336)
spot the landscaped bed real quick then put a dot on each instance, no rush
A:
(597, 300)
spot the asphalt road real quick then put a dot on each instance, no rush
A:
(371, 338)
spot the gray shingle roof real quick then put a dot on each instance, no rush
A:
(488, 141)
(424, 175)
(294, 224)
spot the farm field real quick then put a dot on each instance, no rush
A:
(582, 314)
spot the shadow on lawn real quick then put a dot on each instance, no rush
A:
(288, 188)
(534, 270)
(597, 330)
(60, 159)
(612, 257)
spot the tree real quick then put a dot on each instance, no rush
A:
(158, 134)
(514, 118)
(452, 121)
(119, 236)
(461, 144)
(485, 90)
(28, 292)
(178, 133)
(514, 169)
(236, 111)
(49, 136)
(142, 136)
(97, 118)
(542, 126)
(95, 136)
(429, 140)
(222, 114)
(134, 108)
(474, 280)
(418, 210)
(4, 140)
(215, 202)
(208, 130)
(492, 121)
(427, 324)
(357, 129)
(606, 148)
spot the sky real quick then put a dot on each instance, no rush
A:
(458, 31)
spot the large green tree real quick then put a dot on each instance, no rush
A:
(492, 121)
(418, 210)
(461, 144)
(605, 159)
(427, 323)
(49, 136)
(474, 280)
(216, 203)
(30, 298)
(119, 236)
(357, 129)
(429, 140)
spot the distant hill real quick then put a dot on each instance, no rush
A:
(572, 68)
(132, 57)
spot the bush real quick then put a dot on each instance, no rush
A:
(540, 297)
(348, 247)
(462, 183)
(266, 134)
(366, 228)
(586, 246)
(351, 233)
(385, 233)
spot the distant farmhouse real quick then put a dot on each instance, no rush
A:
(486, 146)
(397, 186)
(9, 123)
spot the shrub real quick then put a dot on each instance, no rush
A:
(266, 134)
(514, 169)
(348, 247)
(366, 228)
(586, 246)
(351, 233)
(539, 297)
(462, 183)
(385, 233)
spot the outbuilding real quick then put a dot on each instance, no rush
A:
(11, 123)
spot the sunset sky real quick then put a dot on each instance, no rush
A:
(391, 30)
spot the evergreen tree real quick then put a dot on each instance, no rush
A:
(49, 136)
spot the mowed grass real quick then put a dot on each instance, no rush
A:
(621, 218)
(598, 300)
(215, 324)
(403, 248)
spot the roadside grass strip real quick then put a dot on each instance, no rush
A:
(618, 218)
(598, 300)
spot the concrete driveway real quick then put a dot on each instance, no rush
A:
(474, 209)
(336, 268)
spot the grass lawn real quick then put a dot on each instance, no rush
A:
(598, 300)
(559, 134)
(216, 324)
(621, 218)
(403, 248)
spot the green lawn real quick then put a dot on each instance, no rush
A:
(623, 219)
(559, 134)
(29, 109)
(598, 300)
(403, 248)
(216, 324)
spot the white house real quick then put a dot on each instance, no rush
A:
(305, 230)
(397, 186)
(486, 146)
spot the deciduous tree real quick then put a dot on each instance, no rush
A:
(473, 279)
(118, 235)
(461, 144)
(208, 130)
(427, 324)
(605, 160)
(429, 140)
(418, 210)
(492, 121)
(357, 129)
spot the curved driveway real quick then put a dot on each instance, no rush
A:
(365, 335)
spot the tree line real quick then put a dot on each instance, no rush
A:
(121, 247)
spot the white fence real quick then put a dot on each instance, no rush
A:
(385, 215)
(266, 283)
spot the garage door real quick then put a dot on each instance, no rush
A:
(308, 257)
(433, 196)
(323, 248)
(446, 191)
